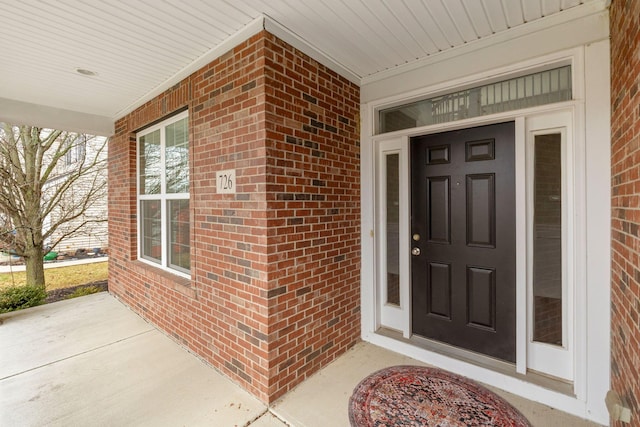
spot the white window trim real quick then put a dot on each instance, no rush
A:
(163, 197)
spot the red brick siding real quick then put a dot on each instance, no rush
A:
(314, 214)
(625, 163)
(229, 230)
(243, 310)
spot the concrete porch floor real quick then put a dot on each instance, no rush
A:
(91, 361)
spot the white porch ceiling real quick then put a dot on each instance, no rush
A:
(139, 47)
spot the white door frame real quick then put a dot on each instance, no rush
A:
(399, 318)
(578, 403)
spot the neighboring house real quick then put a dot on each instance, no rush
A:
(92, 234)
(476, 209)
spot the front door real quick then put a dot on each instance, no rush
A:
(463, 239)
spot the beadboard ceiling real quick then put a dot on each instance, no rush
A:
(138, 47)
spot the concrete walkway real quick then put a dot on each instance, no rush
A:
(90, 361)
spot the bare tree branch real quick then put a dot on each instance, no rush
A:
(39, 184)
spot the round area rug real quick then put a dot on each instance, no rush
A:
(421, 396)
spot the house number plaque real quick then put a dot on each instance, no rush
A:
(226, 181)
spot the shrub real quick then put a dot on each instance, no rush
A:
(19, 297)
(82, 291)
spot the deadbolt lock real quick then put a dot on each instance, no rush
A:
(416, 237)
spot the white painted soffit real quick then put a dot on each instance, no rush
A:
(226, 45)
(139, 48)
(589, 8)
(257, 25)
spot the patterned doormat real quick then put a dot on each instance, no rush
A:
(421, 396)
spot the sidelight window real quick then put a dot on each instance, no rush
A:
(391, 242)
(550, 223)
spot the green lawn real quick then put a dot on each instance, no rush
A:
(61, 277)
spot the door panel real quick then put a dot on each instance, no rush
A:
(481, 297)
(439, 209)
(481, 203)
(463, 224)
(439, 292)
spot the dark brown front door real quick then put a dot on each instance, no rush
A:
(463, 239)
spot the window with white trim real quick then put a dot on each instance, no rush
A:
(76, 151)
(163, 195)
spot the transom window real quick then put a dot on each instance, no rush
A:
(544, 87)
(163, 195)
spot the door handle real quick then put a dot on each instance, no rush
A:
(415, 251)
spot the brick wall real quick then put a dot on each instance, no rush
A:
(274, 289)
(314, 214)
(625, 163)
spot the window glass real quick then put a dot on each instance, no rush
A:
(393, 218)
(150, 163)
(540, 88)
(177, 157)
(179, 249)
(151, 230)
(547, 240)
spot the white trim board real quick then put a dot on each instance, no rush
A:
(18, 112)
